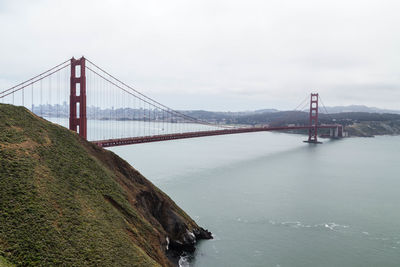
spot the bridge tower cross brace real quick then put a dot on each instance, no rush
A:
(313, 130)
(77, 117)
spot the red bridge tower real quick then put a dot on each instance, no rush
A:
(77, 116)
(313, 130)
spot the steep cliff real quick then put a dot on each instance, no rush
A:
(65, 201)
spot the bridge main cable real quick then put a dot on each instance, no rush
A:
(149, 100)
(36, 79)
(168, 110)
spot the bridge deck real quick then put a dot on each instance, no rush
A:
(166, 137)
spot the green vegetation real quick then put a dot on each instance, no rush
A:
(64, 201)
(4, 262)
(371, 128)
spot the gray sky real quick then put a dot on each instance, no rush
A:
(216, 54)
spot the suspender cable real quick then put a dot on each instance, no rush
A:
(148, 98)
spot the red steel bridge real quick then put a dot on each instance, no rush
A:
(82, 96)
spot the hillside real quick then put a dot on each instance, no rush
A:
(372, 128)
(356, 123)
(65, 201)
(359, 108)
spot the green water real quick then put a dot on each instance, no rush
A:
(271, 200)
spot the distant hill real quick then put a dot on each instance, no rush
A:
(357, 123)
(360, 120)
(359, 108)
(270, 110)
(67, 202)
(268, 115)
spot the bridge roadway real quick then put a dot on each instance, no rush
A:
(166, 137)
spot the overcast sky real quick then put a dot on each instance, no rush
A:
(216, 54)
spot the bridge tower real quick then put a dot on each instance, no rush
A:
(313, 130)
(77, 102)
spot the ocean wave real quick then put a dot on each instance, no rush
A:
(297, 224)
(241, 220)
(332, 226)
(392, 242)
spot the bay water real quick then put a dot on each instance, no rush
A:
(271, 200)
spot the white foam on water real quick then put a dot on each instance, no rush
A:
(297, 224)
(191, 234)
(215, 237)
(241, 220)
(334, 226)
(381, 238)
(294, 224)
(258, 253)
(215, 249)
(184, 261)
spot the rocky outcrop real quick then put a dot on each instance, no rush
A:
(179, 233)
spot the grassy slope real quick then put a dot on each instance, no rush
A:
(62, 202)
(4, 262)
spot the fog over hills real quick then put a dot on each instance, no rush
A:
(343, 109)
(360, 108)
(331, 110)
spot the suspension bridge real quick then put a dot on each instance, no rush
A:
(101, 108)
